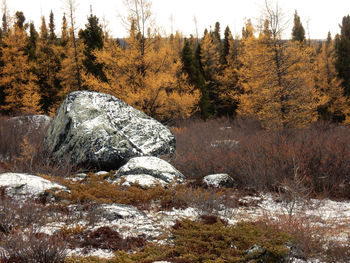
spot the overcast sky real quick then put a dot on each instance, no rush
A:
(318, 16)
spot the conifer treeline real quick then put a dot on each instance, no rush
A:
(282, 83)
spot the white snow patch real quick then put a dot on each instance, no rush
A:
(149, 163)
(297, 260)
(228, 143)
(101, 173)
(153, 166)
(51, 228)
(144, 180)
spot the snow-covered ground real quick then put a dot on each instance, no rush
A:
(153, 224)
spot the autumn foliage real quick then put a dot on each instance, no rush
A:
(282, 83)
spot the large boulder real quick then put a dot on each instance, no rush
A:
(100, 130)
(148, 172)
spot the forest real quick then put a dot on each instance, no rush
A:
(280, 82)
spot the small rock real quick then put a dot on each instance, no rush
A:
(18, 183)
(256, 251)
(119, 211)
(148, 171)
(218, 180)
(295, 252)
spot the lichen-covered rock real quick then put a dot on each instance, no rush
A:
(120, 211)
(218, 180)
(148, 171)
(26, 184)
(99, 130)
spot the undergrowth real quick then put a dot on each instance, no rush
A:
(99, 189)
(211, 241)
(266, 160)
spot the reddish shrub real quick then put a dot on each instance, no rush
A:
(266, 160)
(105, 238)
(23, 151)
(33, 247)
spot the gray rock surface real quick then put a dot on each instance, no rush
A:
(100, 130)
(119, 211)
(26, 184)
(256, 252)
(149, 171)
(218, 180)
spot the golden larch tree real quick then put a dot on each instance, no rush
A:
(20, 88)
(71, 65)
(146, 72)
(277, 79)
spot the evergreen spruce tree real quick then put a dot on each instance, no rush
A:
(217, 32)
(205, 32)
(32, 42)
(48, 65)
(188, 61)
(19, 20)
(204, 103)
(191, 67)
(298, 32)
(210, 59)
(5, 27)
(93, 39)
(226, 45)
(64, 32)
(342, 48)
(52, 27)
(333, 106)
